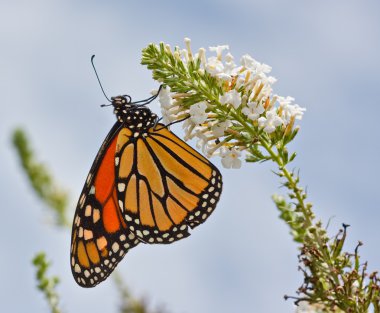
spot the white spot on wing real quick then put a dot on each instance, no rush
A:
(121, 205)
(89, 178)
(128, 219)
(92, 190)
(121, 187)
(82, 199)
(115, 247)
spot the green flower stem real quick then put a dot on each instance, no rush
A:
(292, 184)
(307, 213)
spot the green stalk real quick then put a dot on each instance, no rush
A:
(293, 186)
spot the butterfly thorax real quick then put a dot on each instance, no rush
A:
(136, 117)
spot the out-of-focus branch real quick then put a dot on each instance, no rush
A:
(130, 304)
(45, 283)
(40, 179)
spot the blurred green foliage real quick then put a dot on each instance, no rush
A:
(40, 179)
(46, 284)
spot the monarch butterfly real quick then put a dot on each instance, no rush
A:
(145, 185)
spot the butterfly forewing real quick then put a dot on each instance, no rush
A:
(100, 237)
(163, 185)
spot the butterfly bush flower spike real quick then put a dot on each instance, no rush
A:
(230, 108)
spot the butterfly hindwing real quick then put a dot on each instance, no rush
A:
(163, 185)
(100, 237)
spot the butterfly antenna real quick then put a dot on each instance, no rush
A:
(97, 76)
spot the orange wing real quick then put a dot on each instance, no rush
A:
(100, 237)
(163, 185)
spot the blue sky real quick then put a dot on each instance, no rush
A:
(323, 53)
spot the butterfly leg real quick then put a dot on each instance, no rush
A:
(148, 100)
(170, 124)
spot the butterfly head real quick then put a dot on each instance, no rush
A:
(122, 102)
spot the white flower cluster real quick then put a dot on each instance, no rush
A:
(247, 89)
